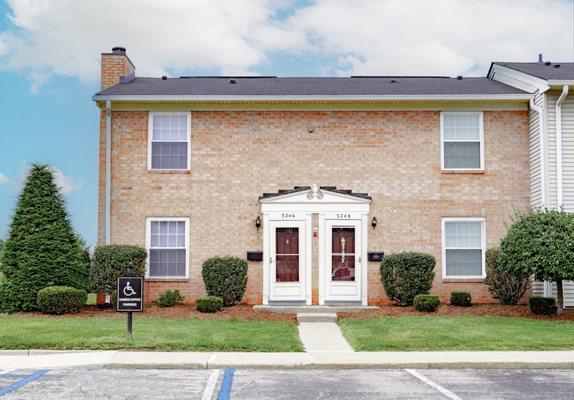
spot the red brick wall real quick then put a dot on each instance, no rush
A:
(394, 156)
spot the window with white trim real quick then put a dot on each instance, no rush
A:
(463, 247)
(169, 140)
(167, 247)
(462, 141)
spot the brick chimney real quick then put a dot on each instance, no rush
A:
(116, 66)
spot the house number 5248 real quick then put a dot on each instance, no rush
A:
(343, 216)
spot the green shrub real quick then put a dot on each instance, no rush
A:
(541, 243)
(208, 304)
(426, 302)
(542, 305)
(404, 275)
(169, 298)
(61, 299)
(225, 277)
(41, 249)
(112, 261)
(503, 285)
(461, 299)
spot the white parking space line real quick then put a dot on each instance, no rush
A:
(211, 385)
(433, 384)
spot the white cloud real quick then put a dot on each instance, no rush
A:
(3, 179)
(66, 184)
(447, 37)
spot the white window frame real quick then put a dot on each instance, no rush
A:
(481, 138)
(150, 140)
(482, 245)
(149, 220)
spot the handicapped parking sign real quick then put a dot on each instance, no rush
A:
(130, 294)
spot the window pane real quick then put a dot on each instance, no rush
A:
(169, 155)
(463, 262)
(461, 127)
(462, 155)
(167, 262)
(463, 234)
(169, 127)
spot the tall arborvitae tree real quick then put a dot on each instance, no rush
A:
(41, 249)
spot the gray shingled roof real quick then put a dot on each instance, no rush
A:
(325, 188)
(547, 70)
(327, 86)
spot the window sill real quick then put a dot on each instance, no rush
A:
(167, 279)
(462, 280)
(169, 171)
(462, 171)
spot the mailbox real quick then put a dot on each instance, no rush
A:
(376, 255)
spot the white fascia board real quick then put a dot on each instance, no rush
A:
(561, 83)
(180, 98)
(507, 75)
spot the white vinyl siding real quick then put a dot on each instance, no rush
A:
(168, 247)
(534, 155)
(463, 243)
(169, 137)
(462, 141)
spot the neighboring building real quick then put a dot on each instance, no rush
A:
(551, 138)
(333, 169)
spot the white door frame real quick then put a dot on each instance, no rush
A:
(272, 221)
(326, 223)
(299, 205)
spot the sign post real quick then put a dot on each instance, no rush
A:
(130, 297)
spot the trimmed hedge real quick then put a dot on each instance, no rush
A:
(542, 305)
(61, 299)
(169, 298)
(225, 277)
(405, 275)
(208, 304)
(426, 302)
(461, 299)
(112, 261)
(503, 285)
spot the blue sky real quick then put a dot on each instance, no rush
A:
(49, 53)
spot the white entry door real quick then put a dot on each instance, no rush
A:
(287, 261)
(343, 253)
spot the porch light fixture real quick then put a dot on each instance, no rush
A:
(258, 222)
(374, 222)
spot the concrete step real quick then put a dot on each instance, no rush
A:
(313, 309)
(316, 317)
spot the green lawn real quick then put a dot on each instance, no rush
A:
(457, 333)
(64, 333)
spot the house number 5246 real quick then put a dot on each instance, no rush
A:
(287, 215)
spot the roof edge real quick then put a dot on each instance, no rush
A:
(303, 98)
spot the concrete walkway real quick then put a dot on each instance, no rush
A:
(14, 360)
(323, 337)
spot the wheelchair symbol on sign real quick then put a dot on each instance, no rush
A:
(128, 290)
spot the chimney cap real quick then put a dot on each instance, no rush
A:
(119, 50)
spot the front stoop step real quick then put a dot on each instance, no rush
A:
(313, 309)
(316, 317)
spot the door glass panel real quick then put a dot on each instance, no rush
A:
(287, 255)
(343, 254)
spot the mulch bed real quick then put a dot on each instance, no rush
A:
(446, 310)
(246, 312)
(178, 312)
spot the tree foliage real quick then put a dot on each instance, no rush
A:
(540, 243)
(42, 249)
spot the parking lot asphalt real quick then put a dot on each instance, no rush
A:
(129, 384)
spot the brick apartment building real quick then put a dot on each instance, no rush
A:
(315, 177)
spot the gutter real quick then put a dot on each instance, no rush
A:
(107, 223)
(559, 167)
(540, 111)
(261, 98)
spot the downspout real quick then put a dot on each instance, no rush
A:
(559, 173)
(540, 111)
(108, 172)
